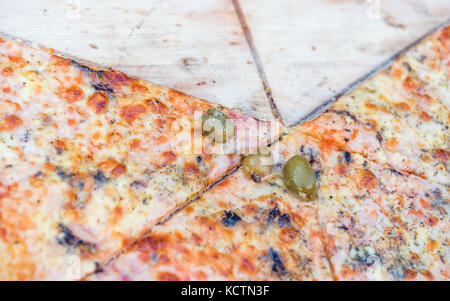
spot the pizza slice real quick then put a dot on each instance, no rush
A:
(430, 62)
(420, 210)
(368, 237)
(92, 158)
(367, 234)
(378, 223)
(239, 230)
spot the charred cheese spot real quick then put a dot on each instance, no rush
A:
(112, 167)
(397, 73)
(432, 221)
(191, 168)
(138, 88)
(428, 275)
(113, 138)
(60, 146)
(120, 169)
(425, 116)
(410, 274)
(367, 180)
(156, 106)
(409, 84)
(169, 156)
(442, 154)
(159, 122)
(288, 235)
(167, 276)
(426, 98)
(402, 106)
(3, 234)
(20, 62)
(432, 245)
(444, 37)
(73, 94)
(117, 212)
(414, 256)
(10, 123)
(206, 223)
(400, 200)
(7, 71)
(251, 209)
(135, 144)
(114, 78)
(370, 105)
(70, 196)
(154, 242)
(391, 145)
(132, 112)
(372, 124)
(424, 203)
(49, 167)
(62, 61)
(247, 266)
(8, 107)
(341, 169)
(196, 238)
(98, 102)
(161, 139)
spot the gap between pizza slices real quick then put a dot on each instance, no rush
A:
(380, 155)
(90, 159)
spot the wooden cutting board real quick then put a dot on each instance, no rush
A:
(309, 50)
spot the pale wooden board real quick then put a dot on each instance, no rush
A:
(311, 50)
(192, 46)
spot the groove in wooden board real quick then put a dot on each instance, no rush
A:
(196, 47)
(248, 35)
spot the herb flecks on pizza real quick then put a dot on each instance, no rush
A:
(359, 193)
(90, 159)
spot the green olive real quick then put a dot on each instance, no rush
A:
(299, 178)
(216, 124)
(257, 166)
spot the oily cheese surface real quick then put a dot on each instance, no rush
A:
(90, 159)
(378, 223)
(368, 222)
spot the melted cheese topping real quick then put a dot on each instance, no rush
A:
(90, 159)
(369, 222)
(239, 230)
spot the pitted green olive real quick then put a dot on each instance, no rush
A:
(257, 166)
(299, 178)
(217, 125)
